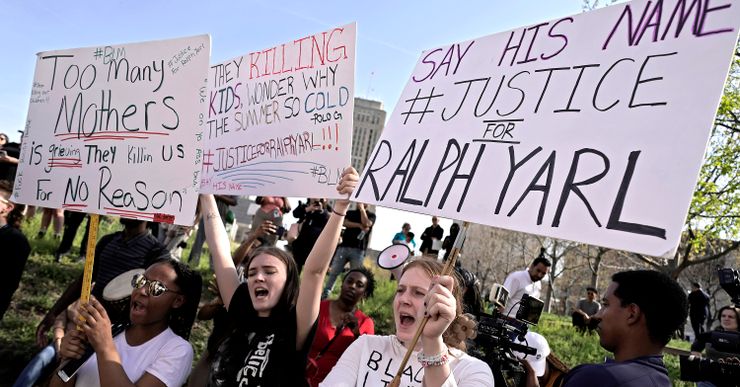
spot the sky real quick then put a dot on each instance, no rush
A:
(390, 34)
(390, 37)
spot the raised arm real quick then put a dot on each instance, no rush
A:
(364, 219)
(219, 245)
(317, 263)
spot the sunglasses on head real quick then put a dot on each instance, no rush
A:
(155, 288)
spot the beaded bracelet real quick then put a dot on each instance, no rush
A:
(439, 359)
(338, 213)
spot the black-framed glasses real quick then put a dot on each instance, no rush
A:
(156, 288)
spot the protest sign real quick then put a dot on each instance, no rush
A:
(279, 120)
(590, 128)
(112, 130)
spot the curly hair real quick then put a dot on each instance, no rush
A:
(471, 298)
(463, 327)
(190, 283)
(370, 286)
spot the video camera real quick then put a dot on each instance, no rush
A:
(498, 333)
(724, 345)
(729, 280)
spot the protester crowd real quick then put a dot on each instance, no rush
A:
(275, 325)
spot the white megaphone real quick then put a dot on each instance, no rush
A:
(393, 257)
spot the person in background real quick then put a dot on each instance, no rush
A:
(405, 237)
(15, 246)
(153, 350)
(410, 242)
(9, 154)
(272, 208)
(728, 324)
(359, 225)
(340, 323)
(449, 241)
(439, 357)
(432, 236)
(526, 281)
(223, 202)
(585, 309)
(400, 237)
(72, 222)
(48, 215)
(314, 221)
(174, 236)
(470, 291)
(640, 312)
(698, 308)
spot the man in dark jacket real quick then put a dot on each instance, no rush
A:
(433, 233)
(698, 308)
(313, 221)
(640, 311)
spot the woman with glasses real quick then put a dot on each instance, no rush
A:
(153, 350)
(274, 313)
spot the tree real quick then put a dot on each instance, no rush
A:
(556, 251)
(712, 226)
(589, 5)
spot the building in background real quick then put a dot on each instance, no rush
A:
(368, 123)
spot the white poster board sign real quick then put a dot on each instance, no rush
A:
(279, 120)
(112, 130)
(590, 128)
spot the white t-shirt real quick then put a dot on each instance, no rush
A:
(167, 357)
(518, 283)
(373, 361)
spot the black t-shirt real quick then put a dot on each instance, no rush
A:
(426, 238)
(261, 350)
(8, 170)
(349, 237)
(698, 303)
(311, 228)
(15, 254)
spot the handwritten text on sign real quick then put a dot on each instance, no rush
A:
(279, 120)
(107, 125)
(590, 128)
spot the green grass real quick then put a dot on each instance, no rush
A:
(44, 280)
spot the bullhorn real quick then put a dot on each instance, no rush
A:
(393, 257)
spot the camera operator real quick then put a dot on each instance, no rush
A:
(516, 356)
(314, 216)
(641, 310)
(526, 281)
(728, 316)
